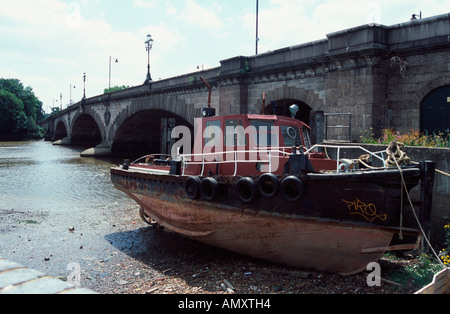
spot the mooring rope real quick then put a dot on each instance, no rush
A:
(414, 212)
(437, 170)
(396, 156)
(443, 173)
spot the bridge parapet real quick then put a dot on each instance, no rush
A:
(350, 71)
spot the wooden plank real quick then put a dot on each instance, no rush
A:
(439, 285)
(398, 247)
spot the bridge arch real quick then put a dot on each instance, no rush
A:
(60, 130)
(85, 131)
(435, 111)
(146, 132)
(286, 96)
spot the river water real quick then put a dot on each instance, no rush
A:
(40, 176)
(57, 209)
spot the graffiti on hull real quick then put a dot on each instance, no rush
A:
(367, 210)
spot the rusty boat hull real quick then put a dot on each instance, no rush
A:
(340, 224)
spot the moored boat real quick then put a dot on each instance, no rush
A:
(255, 185)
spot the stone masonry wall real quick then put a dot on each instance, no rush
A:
(379, 74)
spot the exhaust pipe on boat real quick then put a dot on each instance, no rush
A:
(208, 112)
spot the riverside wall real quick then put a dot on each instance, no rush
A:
(441, 191)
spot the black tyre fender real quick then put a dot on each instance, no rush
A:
(209, 188)
(292, 189)
(268, 185)
(192, 187)
(246, 190)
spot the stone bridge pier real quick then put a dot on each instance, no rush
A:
(361, 80)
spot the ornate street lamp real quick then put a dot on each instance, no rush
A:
(148, 47)
(415, 16)
(70, 94)
(117, 61)
(257, 25)
(84, 85)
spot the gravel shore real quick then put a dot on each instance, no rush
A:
(120, 254)
(172, 264)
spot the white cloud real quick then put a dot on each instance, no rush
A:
(49, 44)
(48, 38)
(197, 15)
(56, 40)
(171, 10)
(145, 4)
(291, 22)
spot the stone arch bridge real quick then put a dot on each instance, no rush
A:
(378, 76)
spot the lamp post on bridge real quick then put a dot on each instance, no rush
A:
(84, 85)
(70, 94)
(148, 47)
(257, 26)
(117, 61)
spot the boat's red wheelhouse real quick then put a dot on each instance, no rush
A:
(248, 144)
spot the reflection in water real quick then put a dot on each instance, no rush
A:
(40, 176)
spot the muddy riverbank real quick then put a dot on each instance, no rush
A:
(153, 261)
(58, 210)
(129, 257)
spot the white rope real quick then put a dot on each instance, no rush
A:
(415, 215)
(437, 170)
(443, 173)
(400, 235)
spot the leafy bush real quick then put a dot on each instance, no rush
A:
(444, 254)
(20, 109)
(414, 138)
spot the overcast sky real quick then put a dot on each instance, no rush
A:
(49, 44)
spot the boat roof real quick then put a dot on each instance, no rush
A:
(259, 117)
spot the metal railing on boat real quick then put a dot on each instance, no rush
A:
(274, 152)
(340, 147)
(271, 153)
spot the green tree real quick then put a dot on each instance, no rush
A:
(115, 89)
(55, 110)
(20, 109)
(10, 109)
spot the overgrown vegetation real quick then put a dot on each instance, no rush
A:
(20, 110)
(419, 272)
(115, 89)
(413, 138)
(444, 254)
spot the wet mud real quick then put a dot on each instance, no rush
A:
(120, 254)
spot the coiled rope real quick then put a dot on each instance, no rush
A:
(396, 156)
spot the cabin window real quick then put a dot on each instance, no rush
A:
(212, 133)
(291, 135)
(234, 133)
(266, 133)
